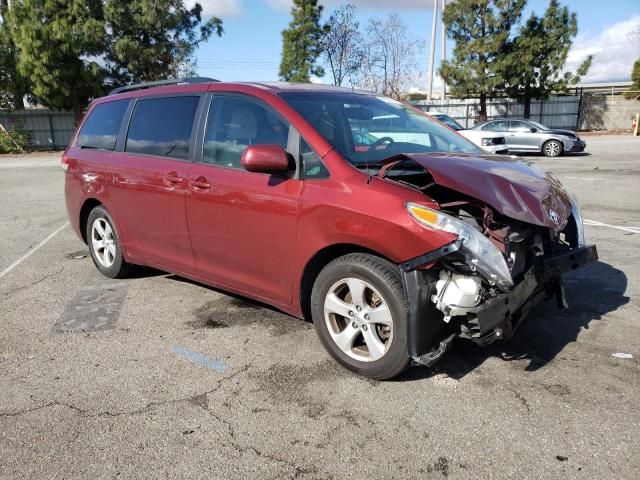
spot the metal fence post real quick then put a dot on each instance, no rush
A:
(541, 110)
(466, 117)
(53, 133)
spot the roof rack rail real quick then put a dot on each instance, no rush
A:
(158, 83)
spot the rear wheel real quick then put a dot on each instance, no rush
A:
(552, 148)
(359, 311)
(104, 245)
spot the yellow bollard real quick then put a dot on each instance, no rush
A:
(635, 125)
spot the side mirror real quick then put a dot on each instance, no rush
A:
(265, 159)
(533, 130)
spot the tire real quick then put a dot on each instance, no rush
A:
(373, 339)
(552, 148)
(104, 245)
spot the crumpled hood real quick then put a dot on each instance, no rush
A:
(515, 189)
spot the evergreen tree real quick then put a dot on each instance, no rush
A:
(153, 39)
(58, 44)
(13, 87)
(481, 30)
(301, 43)
(634, 91)
(538, 55)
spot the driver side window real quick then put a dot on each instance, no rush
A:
(499, 126)
(234, 123)
(515, 126)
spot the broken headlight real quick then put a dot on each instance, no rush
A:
(482, 255)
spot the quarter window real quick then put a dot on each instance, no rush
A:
(101, 129)
(162, 126)
(234, 123)
(312, 165)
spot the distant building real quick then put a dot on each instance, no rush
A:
(604, 88)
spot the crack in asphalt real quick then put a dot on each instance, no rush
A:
(196, 400)
(26, 287)
(520, 397)
(298, 470)
(145, 409)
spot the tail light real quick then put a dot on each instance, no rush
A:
(65, 162)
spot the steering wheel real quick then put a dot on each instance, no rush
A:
(379, 142)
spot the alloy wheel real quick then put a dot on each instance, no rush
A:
(358, 319)
(552, 149)
(103, 242)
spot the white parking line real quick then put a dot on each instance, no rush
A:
(593, 223)
(32, 251)
(583, 178)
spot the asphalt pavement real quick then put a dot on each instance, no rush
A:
(159, 377)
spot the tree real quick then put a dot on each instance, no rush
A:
(481, 30)
(153, 39)
(388, 58)
(13, 87)
(58, 45)
(634, 91)
(342, 44)
(538, 55)
(301, 43)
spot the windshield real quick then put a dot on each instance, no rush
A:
(539, 126)
(367, 128)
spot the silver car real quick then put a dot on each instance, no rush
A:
(489, 141)
(528, 136)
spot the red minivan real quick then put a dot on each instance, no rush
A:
(393, 233)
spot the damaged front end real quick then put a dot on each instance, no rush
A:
(505, 258)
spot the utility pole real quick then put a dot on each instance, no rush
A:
(444, 48)
(434, 25)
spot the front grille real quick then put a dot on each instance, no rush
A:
(498, 141)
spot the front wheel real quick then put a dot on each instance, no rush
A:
(552, 148)
(359, 310)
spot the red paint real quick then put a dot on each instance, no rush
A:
(510, 186)
(265, 158)
(254, 233)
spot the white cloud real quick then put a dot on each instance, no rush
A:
(614, 49)
(397, 4)
(219, 8)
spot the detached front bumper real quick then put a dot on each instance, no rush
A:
(501, 315)
(429, 337)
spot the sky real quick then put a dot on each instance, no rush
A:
(250, 48)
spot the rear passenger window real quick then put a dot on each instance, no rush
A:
(101, 129)
(234, 123)
(162, 126)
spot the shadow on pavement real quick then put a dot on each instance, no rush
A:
(591, 293)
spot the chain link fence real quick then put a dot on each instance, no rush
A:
(556, 112)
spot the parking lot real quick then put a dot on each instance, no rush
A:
(159, 377)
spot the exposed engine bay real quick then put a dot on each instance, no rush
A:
(484, 284)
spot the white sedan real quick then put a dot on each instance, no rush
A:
(491, 142)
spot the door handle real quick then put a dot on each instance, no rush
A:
(172, 178)
(199, 183)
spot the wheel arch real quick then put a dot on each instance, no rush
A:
(320, 260)
(88, 205)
